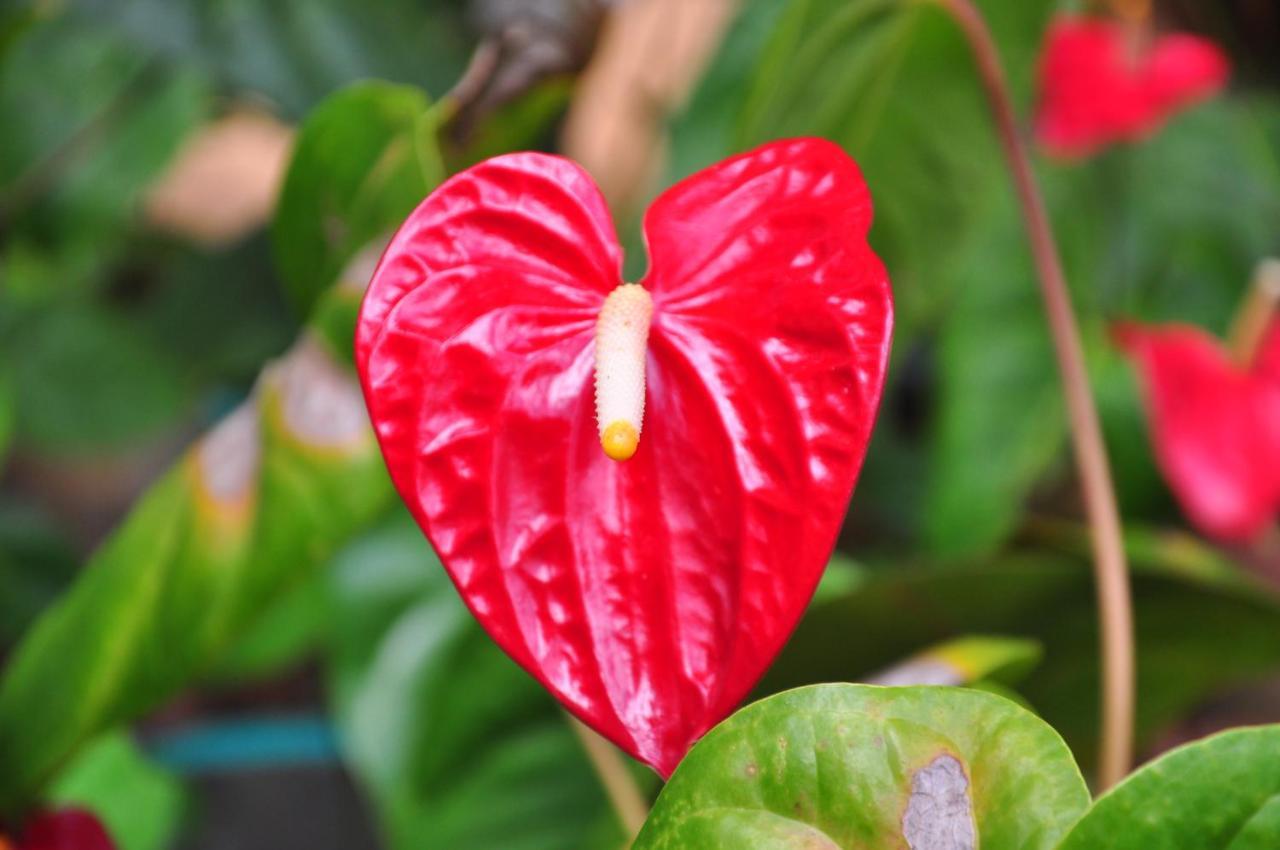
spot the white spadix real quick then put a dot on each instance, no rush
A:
(622, 335)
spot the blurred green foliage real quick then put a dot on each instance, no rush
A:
(115, 337)
(438, 722)
(363, 160)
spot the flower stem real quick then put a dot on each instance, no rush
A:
(1256, 314)
(1111, 572)
(619, 785)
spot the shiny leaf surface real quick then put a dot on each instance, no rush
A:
(649, 595)
(856, 766)
(1222, 793)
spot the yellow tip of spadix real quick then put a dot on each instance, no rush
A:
(620, 439)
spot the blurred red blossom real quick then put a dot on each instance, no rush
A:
(648, 595)
(64, 829)
(1215, 425)
(1105, 81)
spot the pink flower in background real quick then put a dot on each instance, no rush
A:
(1215, 425)
(64, 829)
(1100, 84)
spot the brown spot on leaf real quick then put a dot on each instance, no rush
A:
(918, 671)
(939, 814)
(320, 400)
(229, 455)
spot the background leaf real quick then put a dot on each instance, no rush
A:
(247, 512)
(363, 160)
(87, 380)
(1201, 629)
(855, 766)
(1222, 793)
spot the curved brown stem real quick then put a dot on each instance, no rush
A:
(624, 794)
(1256, 314)
(1111, 571)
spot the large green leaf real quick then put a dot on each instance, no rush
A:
(363, 160)
(246, 513)
(1202, 628)
(1000, 418)
(458, 746)
(1222, 793)
(140, 804)
(857, 766)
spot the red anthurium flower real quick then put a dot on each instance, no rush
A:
(64, 829)
(635, 487)
(1099, 85)
(1216, 426)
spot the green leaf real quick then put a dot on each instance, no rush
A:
(995, 367)
(36, 563)
(1048, 596)
(965, 661)
(245, 515)
(285, 634)
(87, 380)
(459, 748)
(857, 766)
(8, 414)
(140, 804)
(363, 160)
(89, 124)
(1221, 793)
(294, 52)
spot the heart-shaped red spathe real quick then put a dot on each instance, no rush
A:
(648, 596)
(1097, 86)
(1215, 426)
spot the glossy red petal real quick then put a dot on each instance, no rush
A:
(647, 595)
(1216, 437)
(772, 310)
(1100, 85)
(65, 829)
(1183, 70)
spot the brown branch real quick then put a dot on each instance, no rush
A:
(1111, 571)
(1255, 316)
(620, 786)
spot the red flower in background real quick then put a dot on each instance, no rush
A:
(1215, 425)
(500, 351)
(1098, 85)
(63, 829)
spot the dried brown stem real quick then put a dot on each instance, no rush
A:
(620, 786)
(1111, 571)
(1256, 314)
